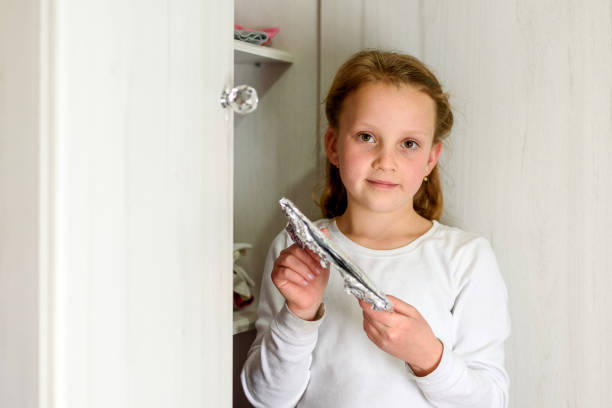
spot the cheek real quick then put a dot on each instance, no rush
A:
(347, 174)
(419, 164)
(352, 165)
(350, 168)
(414, 171)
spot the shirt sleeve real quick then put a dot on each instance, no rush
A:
(471, 372)
(277, 369)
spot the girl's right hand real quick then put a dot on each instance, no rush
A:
(299, 277)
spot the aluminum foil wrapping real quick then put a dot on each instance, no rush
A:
(306, 235)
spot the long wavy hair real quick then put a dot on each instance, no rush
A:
(399, 69)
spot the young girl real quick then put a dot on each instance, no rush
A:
(443, 345)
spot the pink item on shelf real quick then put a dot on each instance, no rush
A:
(272, 31)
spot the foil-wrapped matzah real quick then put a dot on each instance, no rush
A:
(306, 235)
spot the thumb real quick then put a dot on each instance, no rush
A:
(326, 232)
(401, 307)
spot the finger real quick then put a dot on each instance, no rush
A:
(388, 319)
(380, 326)
(373, 333)
(296, 263)
(310, 259)
(315, 256)
(315, 261)
(287, 275)
(401, 307)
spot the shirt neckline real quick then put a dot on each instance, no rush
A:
(355, 247)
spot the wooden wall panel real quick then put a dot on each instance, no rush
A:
(528, 168)
(348, 26)
(142, 237)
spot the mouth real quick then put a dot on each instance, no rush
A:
(381, 184)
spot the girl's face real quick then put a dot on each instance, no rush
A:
(383, 146)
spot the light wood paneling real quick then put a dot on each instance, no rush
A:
(527, 165)
(529, 168)
(111, 223)
(348, 26)
(115, 204)
(143, 213)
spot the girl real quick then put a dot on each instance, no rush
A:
(443, 345)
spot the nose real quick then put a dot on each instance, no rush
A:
(384, 160)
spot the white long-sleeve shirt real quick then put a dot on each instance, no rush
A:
(453, 280)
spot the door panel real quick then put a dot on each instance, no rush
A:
(143, 204)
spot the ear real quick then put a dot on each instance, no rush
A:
(331, 146)
(434, 155)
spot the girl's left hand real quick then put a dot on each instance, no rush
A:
(405, 334)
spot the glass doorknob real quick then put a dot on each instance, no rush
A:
(242, 99)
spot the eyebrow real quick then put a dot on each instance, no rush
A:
(404, 132)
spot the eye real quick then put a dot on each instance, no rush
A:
(366, 137)
(410, 144)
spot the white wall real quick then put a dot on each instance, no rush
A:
(19, 197)
(527, 165)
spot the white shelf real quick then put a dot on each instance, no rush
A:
(244, 319)
(245, 53)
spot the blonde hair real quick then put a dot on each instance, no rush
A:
(398, 69)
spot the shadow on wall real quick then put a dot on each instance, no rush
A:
(259, 77)
(301, 194)
(242, 342)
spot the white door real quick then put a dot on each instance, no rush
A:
(134, 205)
